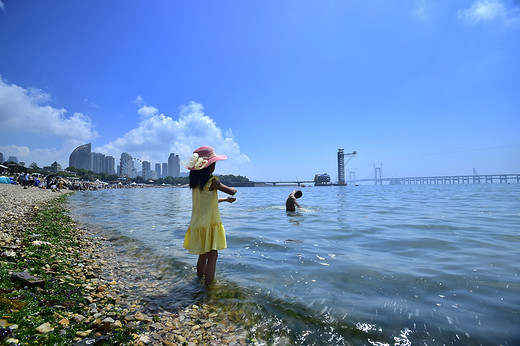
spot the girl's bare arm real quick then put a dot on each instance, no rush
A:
(215, 184)
(227, 199)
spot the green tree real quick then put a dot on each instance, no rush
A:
(230, 179)
(34, 165)
(138, 180)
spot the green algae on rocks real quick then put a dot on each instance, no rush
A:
(72, 303)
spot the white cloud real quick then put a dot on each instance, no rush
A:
(2, 5)
(147, 112)
(139, 101)
(14, 150)
(24, 110)
(158, 135)
(489, 10)
(42, 156)
(25, 115)
(421, 11)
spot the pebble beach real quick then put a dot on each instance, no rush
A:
(112, 302)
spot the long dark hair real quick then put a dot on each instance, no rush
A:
(199, 178)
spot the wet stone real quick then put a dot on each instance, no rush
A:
(44, 328)
(27, 279)
(120, 294)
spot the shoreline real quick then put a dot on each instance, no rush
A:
(103, 309)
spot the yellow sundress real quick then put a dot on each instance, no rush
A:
(206, 231)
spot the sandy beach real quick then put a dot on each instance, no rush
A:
(108, 307)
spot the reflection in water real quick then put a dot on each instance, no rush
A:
(295, 217)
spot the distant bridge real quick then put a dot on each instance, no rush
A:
(272, 183)
(444, 179)
(447, 179)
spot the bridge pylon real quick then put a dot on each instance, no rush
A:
(378, 174)
(342, 164)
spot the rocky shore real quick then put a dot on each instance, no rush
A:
(100, 303)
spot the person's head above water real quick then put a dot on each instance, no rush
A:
(298, 194)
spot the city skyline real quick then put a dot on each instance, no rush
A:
(421, 87)
(83, 157)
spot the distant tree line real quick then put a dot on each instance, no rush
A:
(231, 179)
(13, 167)
(83, 174)
(89, 175)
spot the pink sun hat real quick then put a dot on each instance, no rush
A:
(203, 157)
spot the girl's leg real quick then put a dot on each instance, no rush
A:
(211, 265)
(201, 264)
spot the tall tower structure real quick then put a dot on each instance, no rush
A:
(81, 157)
(127, 165)
(174, 165)
(342, 164)
(378, 175)
(341, 167)
(147, 166)
(98, 162)
(164, 170)
(110, 163)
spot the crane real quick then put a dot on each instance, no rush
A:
(342, 164)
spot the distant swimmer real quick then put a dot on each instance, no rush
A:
(291, 204)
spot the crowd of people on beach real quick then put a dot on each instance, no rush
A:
(52, 182)
(27, 180)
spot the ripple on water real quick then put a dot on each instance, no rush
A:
(420, 264)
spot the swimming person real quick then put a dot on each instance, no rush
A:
(206, 234)
(291, 204)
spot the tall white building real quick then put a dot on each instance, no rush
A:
(174, 166)
(126, 168)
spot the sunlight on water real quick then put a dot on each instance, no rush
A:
(385, 265)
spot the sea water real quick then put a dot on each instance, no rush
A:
(408, 264)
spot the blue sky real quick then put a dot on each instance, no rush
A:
(421, 87)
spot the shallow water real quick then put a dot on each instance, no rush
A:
(421, 264)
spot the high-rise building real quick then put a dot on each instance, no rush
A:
(81, 157)
(110, 163)
(146, 169)
(164, 170)
(98, 162)
(1, 158)
(174, 165)
(102, 163)
(126, 168)
(158, 170)
(13, 159)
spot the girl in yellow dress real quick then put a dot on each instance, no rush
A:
(206, 234)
